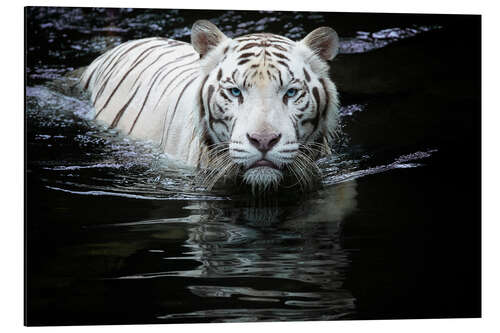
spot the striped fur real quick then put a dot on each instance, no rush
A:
(184, 97)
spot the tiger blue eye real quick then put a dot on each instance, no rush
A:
(291, 92)
(235, 92)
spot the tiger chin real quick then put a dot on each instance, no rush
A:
(259, 109)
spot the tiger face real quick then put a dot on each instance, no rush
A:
(268, 107)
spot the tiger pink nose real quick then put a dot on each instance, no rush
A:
(264, 141)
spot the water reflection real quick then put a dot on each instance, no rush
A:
(294, 248)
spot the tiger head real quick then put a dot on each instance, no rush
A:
(268, 109)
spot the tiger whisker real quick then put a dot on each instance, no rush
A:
(307, 167)
(220, 164)
(227, 169)
(299, 179)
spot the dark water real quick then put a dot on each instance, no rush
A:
(116, 234)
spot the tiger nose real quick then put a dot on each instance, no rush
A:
(264, 141)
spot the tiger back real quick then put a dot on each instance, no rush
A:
(142, 88)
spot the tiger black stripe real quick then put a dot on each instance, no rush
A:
(279, 47)
(244, 61)
(269, 75)
(280, 55)
(306, 74)
(170, 83)
(160, 70)
(232, 127)
(296, 128)
(150, 65)
(211, 119)
(315, 120)
(210, 123)
(305, 107)
(210, 93)
(221, 110)
(224, 95)
(316, 97)
(246, 55)
(175, 68)
(177, 103)
(285, 99)
(281, 62)
(143, 54)
(219, 121)
(107, 75)
(184, 79)
(86, 86)
(155, 77)
(137, 63)
(245, 73)
(92, 73)
(327, 100)
(121, 55)
(109, 59)
(301, 95)
(122, 110)
(248, 46)
(202, 106)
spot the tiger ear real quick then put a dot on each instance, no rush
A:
(324, 42)
(205, 36)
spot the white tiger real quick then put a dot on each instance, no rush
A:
(260, 108)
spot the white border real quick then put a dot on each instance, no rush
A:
(390, 6)
(13, 154)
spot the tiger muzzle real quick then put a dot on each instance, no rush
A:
(264, 142)
(264, 163)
